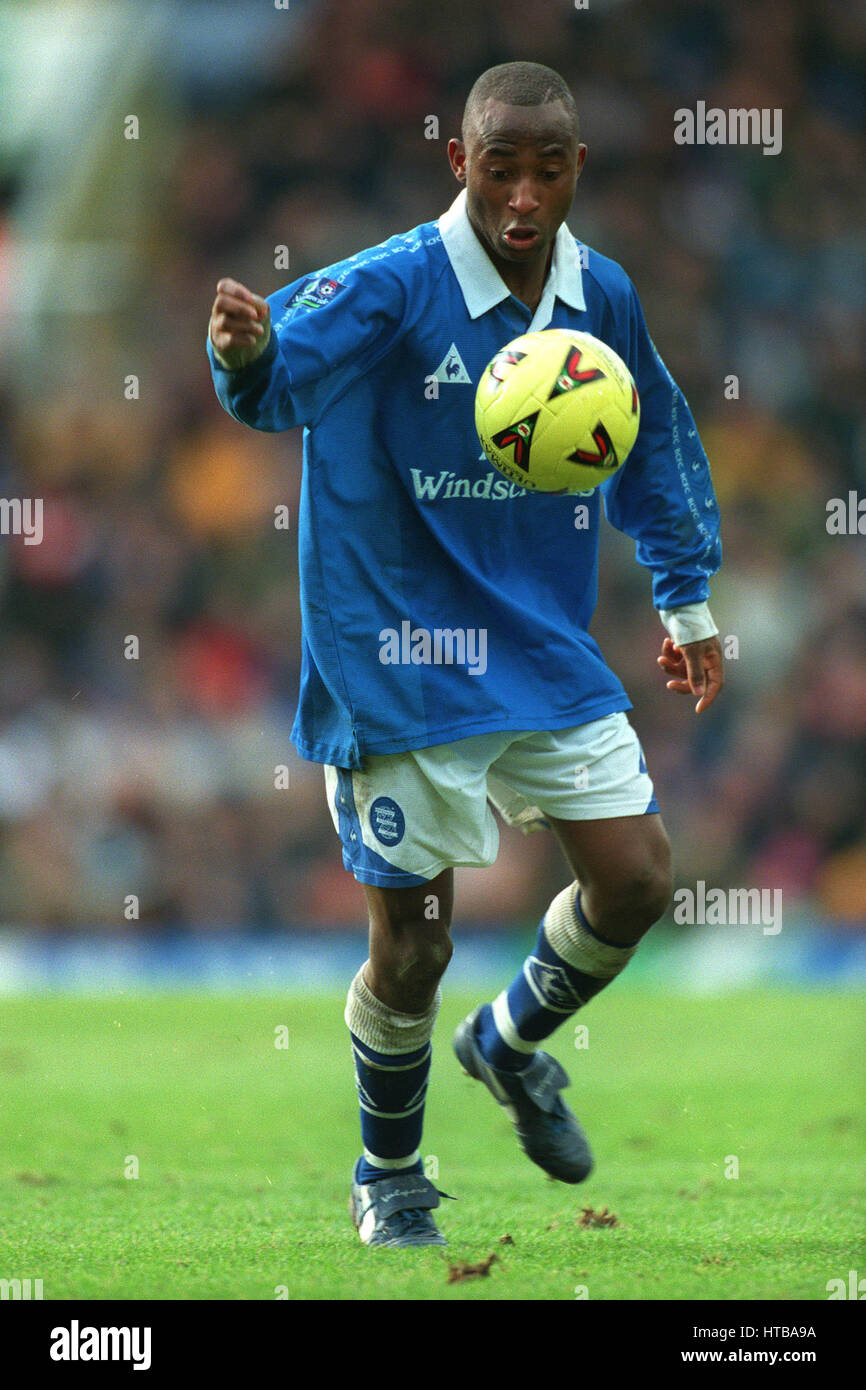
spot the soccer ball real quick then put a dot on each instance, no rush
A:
(557, 411)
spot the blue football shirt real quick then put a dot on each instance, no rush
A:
(439, 600)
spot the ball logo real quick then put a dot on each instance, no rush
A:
(387, 821)
(604, 455)
(504, 362)
(571, 375)
(520, 436)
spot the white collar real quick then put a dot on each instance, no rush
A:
(482, 285)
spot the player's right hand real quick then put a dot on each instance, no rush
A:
(240, 325)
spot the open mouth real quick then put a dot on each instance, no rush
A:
(521, 237)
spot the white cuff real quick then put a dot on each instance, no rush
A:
(690, 624)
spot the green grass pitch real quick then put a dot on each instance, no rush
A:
(243, 1151)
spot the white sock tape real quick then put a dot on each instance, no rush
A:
(577, 947)
(384, 1029)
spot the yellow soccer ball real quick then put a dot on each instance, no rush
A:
(557, 411)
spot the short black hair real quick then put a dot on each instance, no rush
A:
(518, 84)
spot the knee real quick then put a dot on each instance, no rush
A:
(408, 962)
(410, 944)
(639, 892)
(650, 876)
(427, 952)
(649, 888)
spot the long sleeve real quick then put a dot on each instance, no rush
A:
(663, 496)
(328, 330)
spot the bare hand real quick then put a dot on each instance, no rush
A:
(240, 325)
(696, 669)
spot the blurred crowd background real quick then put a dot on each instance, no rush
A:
(305, 127)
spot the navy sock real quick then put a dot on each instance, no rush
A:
(391, 1091)
(550, 987)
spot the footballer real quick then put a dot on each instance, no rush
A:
(415, 558)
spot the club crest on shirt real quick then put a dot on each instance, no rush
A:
(551, 986)
(316, 292)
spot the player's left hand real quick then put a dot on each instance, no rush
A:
(695, 669)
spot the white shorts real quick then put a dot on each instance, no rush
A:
(404, 817)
